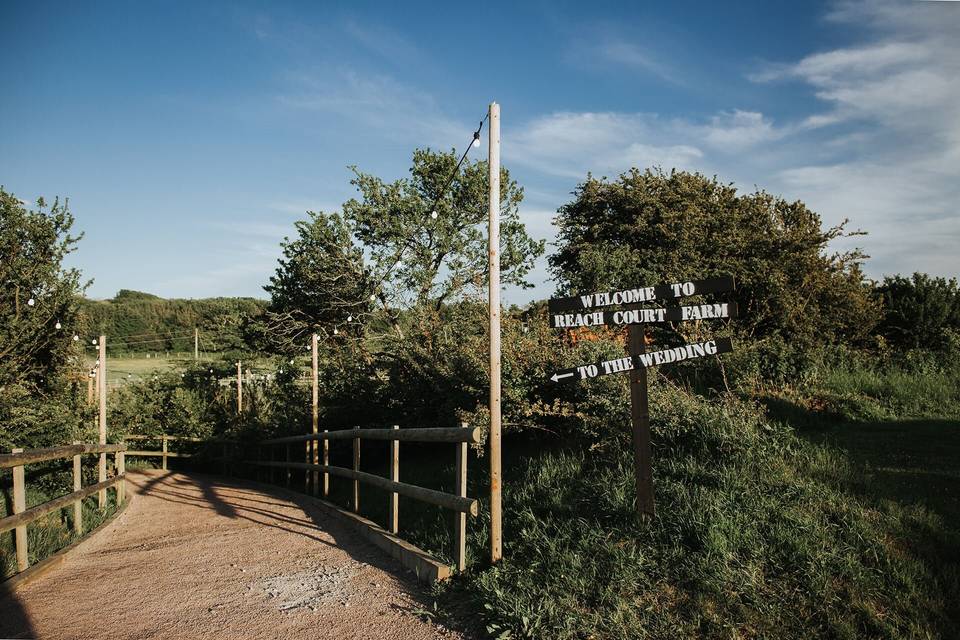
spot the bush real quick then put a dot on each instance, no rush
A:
(919, 312)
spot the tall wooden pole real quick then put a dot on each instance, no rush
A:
(496, 524)
(315, 415)
(196, 344)
(239, 387)
(640, 418)
(102, 423)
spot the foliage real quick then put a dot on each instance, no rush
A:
(39, 361)
(758, 534)
(386, 254)
(919, 311)
(651, 227)
(138, 322)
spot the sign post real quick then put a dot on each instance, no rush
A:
(582, 311)
(640, 419)
(496, 476)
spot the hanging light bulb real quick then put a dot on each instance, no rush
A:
(373, 297)
(58, 325)
(335, 332)
(476, 139)
(291, 360)
(76, 337)
(350, 318)
(434, 214)
(31, 302)
(94, 341)
(281, 370)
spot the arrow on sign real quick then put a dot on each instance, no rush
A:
(644, 316)
(645, 360)
(642, 294)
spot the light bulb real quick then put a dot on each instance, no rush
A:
(434, 214)
(58, 326)
(335, 332)
(291, 361)
(31, 302)
(75, 337)
(94, 341)
(373, 297)
(349, 318)
(476, 140)
(281, 370)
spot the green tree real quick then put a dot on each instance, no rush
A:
(38, 318)
(399, 246)
(651, 227)
(918, 310)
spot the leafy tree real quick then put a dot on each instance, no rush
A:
(918, 310)
(651, 227)
(38, 318)
(400, 245)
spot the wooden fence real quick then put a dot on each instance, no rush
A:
(18, 458)
(164, 452)
(457, 502)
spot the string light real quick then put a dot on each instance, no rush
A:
(335, 332)
(434, 214)
(58, 325)
(76, 338)
(31, 302)
(476, 138)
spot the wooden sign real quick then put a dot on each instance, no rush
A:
(642, 294)
(644, 316)
(644, 360)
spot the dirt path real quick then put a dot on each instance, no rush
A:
(199, 557)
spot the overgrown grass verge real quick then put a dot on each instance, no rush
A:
(759, 533)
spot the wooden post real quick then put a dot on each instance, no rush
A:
(394, 516)
(356, 467)
(119, 460)
(102, 467)
(288, 468)
(315, 417)
(326, 463)
(19, 506)
(164, 452)
(496, 524)
(89, 389)
(78, 505)
(239, 388)
(460, 550)
(196, 344)
(640, 417)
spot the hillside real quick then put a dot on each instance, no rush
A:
(140, 321)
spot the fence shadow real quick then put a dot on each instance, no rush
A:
(239, 499)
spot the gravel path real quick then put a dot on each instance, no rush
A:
(198, 557)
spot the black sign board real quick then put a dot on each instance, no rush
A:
(645, 360)
(641, 294)
(643, 316)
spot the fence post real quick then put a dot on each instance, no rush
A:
(164, 452)
(102, 420)
(395, 476)
(19, 506)
(356, 467)
(326, 463)
(119, 460)
(78, 505)
(461, 518)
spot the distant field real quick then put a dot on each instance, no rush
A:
(137, 367)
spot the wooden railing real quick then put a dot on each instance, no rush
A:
(164, 452)
(458, 502)
(18, 458)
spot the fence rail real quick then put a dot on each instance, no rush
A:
(164, 453)
(457, 502)
(18, 458)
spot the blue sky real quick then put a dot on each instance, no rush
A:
(190, 136)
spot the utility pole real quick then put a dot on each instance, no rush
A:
(496, 510)
(316, 414)
(196, 344)
(102, 423)
(239, 388)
